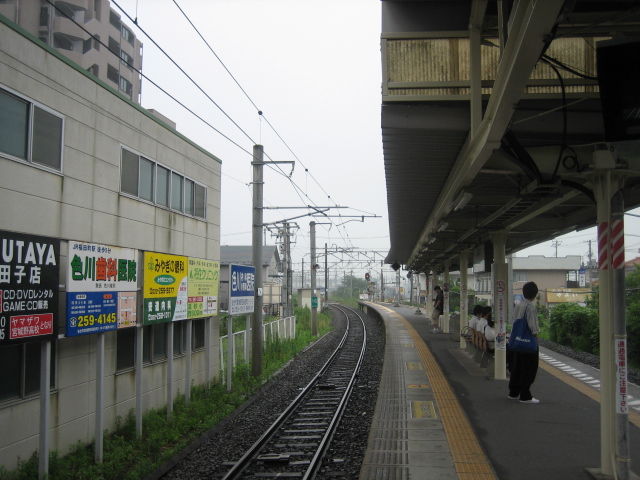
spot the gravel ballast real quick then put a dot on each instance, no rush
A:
(211, 455)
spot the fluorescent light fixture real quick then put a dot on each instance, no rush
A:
(443, 226)
(461, 201)
(431, 240)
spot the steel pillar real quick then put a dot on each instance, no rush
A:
(314, 309)
(464, 304)
(500, 303)
(614, 453)
(445, 290)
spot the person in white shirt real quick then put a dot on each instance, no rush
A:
(524, 366)
(482, 318)
(473, 321)
(490, 332)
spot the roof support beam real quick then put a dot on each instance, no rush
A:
(476, 20)
(531, 23)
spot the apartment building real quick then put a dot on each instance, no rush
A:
(94, 187)
(89, 32)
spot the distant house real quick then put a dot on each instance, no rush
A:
(631, 265)
(549, 273)
(271, 274)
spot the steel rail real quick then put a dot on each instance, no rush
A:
(240, 466)
(317, 458)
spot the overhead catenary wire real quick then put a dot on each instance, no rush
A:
(297, 189)
(260, 111)
(226, 137)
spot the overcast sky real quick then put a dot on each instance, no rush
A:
(313, 69)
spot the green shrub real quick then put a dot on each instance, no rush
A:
(129, 458)
(575, 326)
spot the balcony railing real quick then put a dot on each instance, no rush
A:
(428, 67)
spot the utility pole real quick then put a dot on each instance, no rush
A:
(314, 298)
(289, 272)
(256, 324)
(302, 281)
(555, 244)
(326, 275)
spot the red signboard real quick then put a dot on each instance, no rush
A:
(23, 326)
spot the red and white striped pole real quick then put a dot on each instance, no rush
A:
(603, 245)
(616, 255)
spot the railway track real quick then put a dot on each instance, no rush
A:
(294, 445)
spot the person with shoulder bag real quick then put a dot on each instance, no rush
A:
(523, 347)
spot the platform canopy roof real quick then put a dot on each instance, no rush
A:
(523, 157)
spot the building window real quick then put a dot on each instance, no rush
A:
(86, 45)
(114, 46)
(62, 42)
(162, 186)
(127, 34)
(147, 180)
(129, 172)
(179, 338)
(198, 332)
(200, 201)
(188, 196)
(29, 132)
(94, 69)
(64, 10)
(112, 74)
(125, 348)
(114, 20)
(154, 342)
(176, 191)
(127, 59)
(20, 372)
(44, 16)
(125, 86)
(519, 275)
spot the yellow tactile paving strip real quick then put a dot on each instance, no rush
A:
(469, 459)
(582, 387)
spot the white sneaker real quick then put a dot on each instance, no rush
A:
(512, 398)
(532, 400)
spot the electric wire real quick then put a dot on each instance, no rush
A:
(135, 22)
(260, 112)
(297, 189)
(229, 139)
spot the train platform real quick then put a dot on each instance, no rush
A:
(439, 416)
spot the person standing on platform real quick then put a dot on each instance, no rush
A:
(438, 308)
(524, 366)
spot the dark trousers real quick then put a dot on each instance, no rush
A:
(523, 368)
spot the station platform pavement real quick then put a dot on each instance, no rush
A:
(438, 415)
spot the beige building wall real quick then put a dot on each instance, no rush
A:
(83, 202)
(70, 37)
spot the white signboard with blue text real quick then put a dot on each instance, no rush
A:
(241, 289)
(101, 288)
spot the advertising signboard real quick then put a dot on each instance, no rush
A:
(241, 289)
(101, 285)
(165, 288)
(202, 288)
(29, 269)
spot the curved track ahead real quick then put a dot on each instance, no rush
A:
(295, 444)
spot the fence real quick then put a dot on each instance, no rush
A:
(282, 328)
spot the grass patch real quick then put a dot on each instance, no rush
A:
(129, 458)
